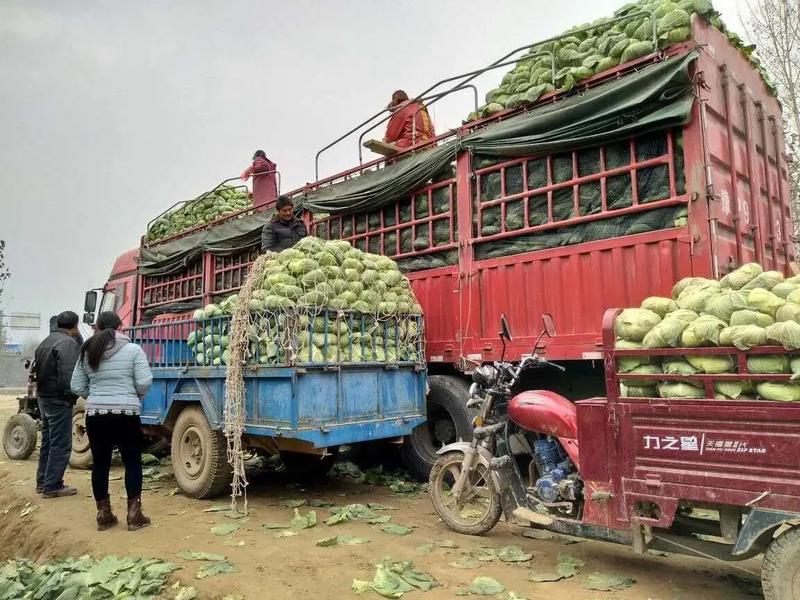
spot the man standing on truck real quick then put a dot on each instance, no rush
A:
(265, 180)
(410, 123)
(284, 230)
(55, 360)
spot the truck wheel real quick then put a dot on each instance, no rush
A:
(780, 571)
(448, 421)
(19, 437)
(308, 466)
(199, 455)
(81, 456)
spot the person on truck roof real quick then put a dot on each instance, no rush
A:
(410, 123)
(284, 230)
(265, 180)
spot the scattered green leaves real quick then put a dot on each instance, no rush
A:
(303, 521)
(513, 554)
(224, 528)
(196, 555)
(380, 520)
(350, 513)
(293, 502)
(215, 568)
(342, 540)
(606, 582)
(396, 529)
(393, 579)
(485, 586)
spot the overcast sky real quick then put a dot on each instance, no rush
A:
(110, 112)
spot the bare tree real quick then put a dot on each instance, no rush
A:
(5, 274)
(774, 27)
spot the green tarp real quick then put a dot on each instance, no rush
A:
(225, 239)
(656, 97)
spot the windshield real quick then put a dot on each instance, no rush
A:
(109, 298)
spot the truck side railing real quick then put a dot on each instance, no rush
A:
(287, 339)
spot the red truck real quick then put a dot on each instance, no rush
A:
(687, 179)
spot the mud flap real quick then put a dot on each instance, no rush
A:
(758, 530)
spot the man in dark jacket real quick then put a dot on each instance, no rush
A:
(284, 229)
(55, 360)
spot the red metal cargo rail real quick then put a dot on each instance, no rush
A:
(573, 221)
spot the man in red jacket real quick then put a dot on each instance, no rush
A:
(410, 124)
(264, 174)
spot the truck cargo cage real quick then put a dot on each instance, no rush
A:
(288, 338)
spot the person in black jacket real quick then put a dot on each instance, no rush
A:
(284, 229)
(55, 360)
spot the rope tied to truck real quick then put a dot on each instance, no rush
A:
(235, 410)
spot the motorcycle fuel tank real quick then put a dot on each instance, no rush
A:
(544, 412)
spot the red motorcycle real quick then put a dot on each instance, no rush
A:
(706, 477)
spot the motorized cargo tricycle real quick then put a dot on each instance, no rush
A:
(704, 477)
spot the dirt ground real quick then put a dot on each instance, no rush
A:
(294, 567)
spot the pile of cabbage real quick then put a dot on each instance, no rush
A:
(217, 203)
(320, 302)
(747, 308)
(604, 46)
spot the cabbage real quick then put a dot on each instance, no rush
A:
(765, 301)
(788, 312)
(703, 331)
(666, 334)
(741, 276)
(768, 363)
(787, 334)
(674, 365)
(766, 280)
(743, 337)
(725, 303)
(711, 364)
(643, 370)
(659, 305)
(729, 390)
(633, 391)
(678, 389)
(794, 366)
(690, 282)
(628, 363)
(781, 392)
(632, 324)
(695, 297)
(750, 317)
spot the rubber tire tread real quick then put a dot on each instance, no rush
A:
(781, 563)
(218, 475)
(80, 460)
(29, 425)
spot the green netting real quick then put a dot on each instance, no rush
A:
(537, 210)
(588, 161)
(619, 191)
(390, 215)
(490, 220)
(652, 183)
(390, 243)
(347, 226)
(421, 209)
(422, 238)
(537, 173)
(335, 229)
(651, 220)
(651, 146)
(563, 204)
(428, 261)
(322, 229)
(490, 186)
(406, 240)
(361, 244)
(441, 232)
(590, 198)
(515, 180)
(618, 154)
(361, 223)
(562, 167)
(375, 221)
(515, 215)
(680, 175)
(404, 209)
(441, 200)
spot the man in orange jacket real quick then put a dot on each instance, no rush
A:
(410, 123)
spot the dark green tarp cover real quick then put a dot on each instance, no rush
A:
(224, 239)
(658, 96)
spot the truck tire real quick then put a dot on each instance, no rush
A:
(199, 456)
(19, 436)
(308, 467)
(81, 456)
(780, 571)
(448, 421)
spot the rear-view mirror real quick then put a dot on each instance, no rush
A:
(88, 318)
(549, 324)
(90, 302)
(505, 330)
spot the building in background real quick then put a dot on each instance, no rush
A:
(19, 328)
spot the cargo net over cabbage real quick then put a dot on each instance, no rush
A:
(745, 309)
(221, 201)
(602, 46)
(320, 302)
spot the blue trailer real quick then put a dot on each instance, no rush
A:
(301, 409)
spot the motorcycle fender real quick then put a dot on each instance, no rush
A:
(484, 457)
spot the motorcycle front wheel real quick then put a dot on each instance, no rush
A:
(478, 509)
